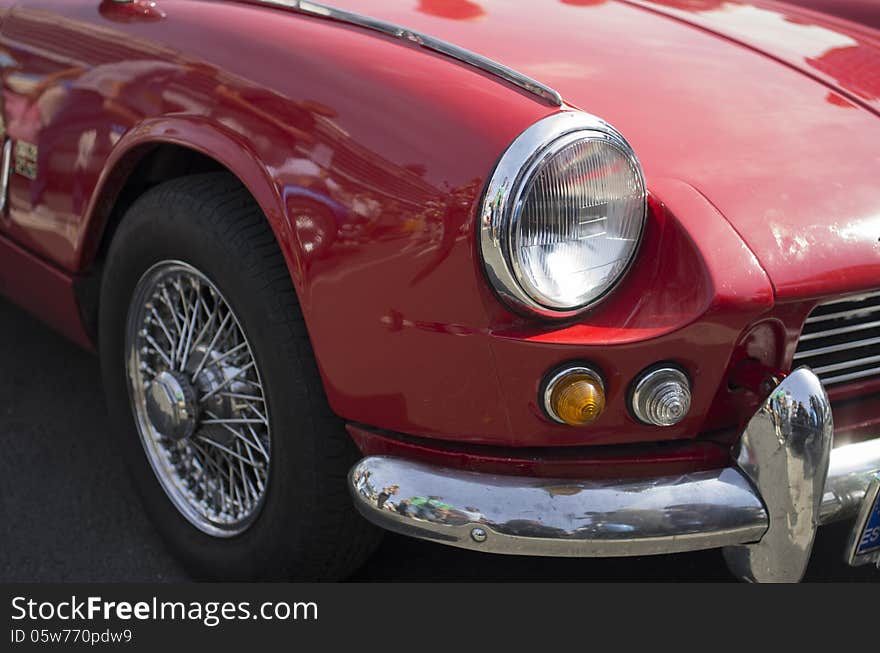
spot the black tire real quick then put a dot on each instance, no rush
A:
(307, 528)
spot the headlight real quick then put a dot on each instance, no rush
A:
(563, 215)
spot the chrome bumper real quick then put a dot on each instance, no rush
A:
(763, 511)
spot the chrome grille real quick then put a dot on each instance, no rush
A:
(841, 339)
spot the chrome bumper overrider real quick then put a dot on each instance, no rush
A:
(763, 511)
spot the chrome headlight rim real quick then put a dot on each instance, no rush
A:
(499, 211)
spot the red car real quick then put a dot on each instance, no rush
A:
(561, 277)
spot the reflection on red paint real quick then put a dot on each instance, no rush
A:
(452, 9)
(691, 5)
(838, 100)
(131, 11)
(854, 67)
(583, 3)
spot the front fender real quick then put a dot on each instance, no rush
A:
(196, 133)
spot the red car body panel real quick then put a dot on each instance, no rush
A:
(368, 156)
(863, 12)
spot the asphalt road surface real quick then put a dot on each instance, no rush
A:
(69, 513)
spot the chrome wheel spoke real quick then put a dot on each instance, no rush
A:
(161, 323)
(238, 435)
(171, 308)
(235, 350)
(256, 412)
(210, 347)
(185, 346)
(233, 421)
(226, 383)
(212, 315)
(198, 399)
(225, 449)
(155, 347)
(238, 395)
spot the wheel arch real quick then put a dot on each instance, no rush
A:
(157, 151)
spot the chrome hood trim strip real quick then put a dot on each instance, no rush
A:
(510, 75)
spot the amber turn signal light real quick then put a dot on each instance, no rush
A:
(575, 396)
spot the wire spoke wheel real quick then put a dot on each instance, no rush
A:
(197, 399)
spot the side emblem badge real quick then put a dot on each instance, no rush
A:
(26, 159)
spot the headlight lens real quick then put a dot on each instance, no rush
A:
(578, 222)
(562, 230)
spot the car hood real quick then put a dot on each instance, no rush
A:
(767, 110)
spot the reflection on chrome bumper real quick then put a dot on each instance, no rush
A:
(764, 510)
(563, 518)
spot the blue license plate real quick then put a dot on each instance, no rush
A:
(865, 539)
(869, 541)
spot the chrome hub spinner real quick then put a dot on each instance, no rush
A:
(172, 406)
